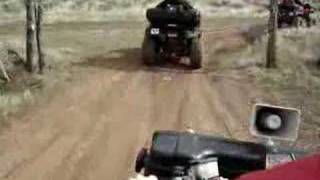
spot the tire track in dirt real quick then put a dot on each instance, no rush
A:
(57, 120)
(20, 165)
(167, 93)
(219, 115)
(238, 103)
(104, 148)
(102, 154)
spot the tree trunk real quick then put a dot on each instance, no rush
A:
(272, 42)
(30, 34)
(39, 15)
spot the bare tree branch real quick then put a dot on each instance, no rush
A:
(4, 72)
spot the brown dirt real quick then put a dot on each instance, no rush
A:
(93, 128)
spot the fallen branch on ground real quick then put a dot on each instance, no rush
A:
(4, 72)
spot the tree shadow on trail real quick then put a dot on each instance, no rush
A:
(123, 60)
(129, 60)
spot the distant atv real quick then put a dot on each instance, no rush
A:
(296, 16)
(173, 33)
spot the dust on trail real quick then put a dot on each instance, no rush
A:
(94, 128)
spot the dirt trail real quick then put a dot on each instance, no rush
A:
(94, 128)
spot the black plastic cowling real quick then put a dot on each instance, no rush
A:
(175, 149)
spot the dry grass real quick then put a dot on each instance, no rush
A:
(108, 10)
(296, 81)
(19, 89)
(65, 44)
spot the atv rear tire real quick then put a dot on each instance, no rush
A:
(196, 54)
(149, 51)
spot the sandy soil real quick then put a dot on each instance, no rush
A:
(93, 128)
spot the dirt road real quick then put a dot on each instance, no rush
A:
(93, 128)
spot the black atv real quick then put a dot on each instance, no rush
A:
(306, 17)
(295, 16)
(173, 33)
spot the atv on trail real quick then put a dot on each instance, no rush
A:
(296, 16)
(173, 33)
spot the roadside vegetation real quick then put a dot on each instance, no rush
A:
(110, 10)
(296, 81)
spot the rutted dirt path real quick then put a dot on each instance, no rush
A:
(94, 128)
